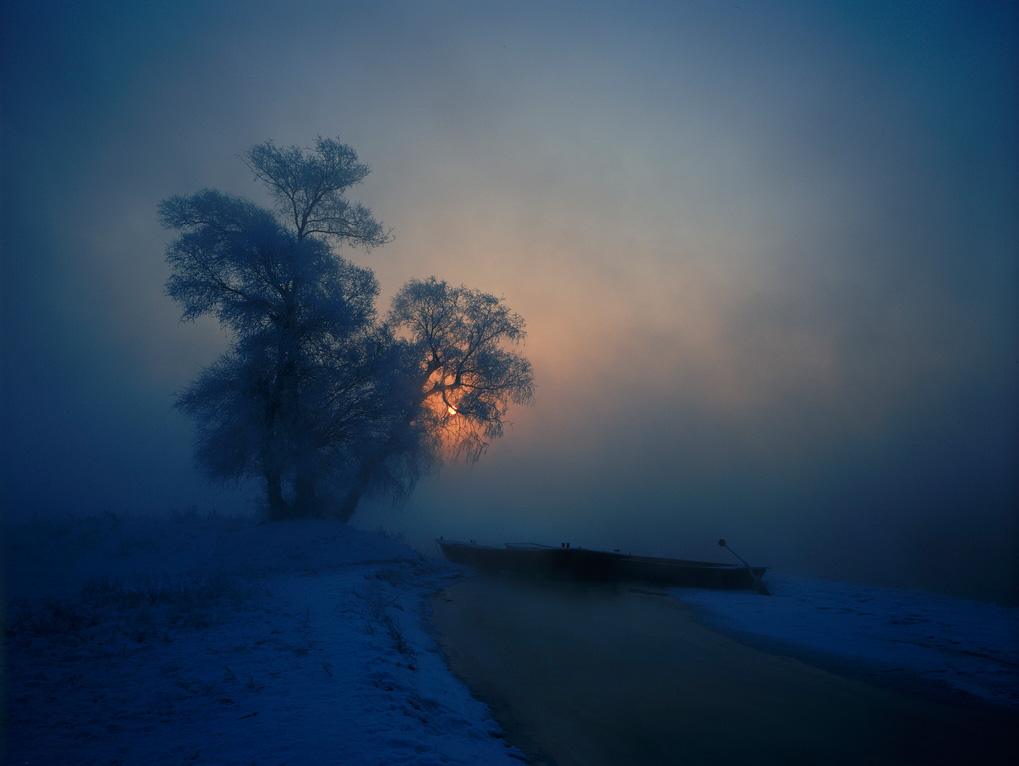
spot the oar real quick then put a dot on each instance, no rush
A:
(759, 585)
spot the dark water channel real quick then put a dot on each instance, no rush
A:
(612, 675)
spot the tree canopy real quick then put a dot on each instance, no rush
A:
(316, 398)
(467, 376)
(308, 189)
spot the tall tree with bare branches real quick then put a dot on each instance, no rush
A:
(299, 382)
(316, 398)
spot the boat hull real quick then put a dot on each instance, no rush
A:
(539, 561)
(593, 565)
(693, 574)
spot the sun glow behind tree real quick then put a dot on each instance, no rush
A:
(316, 398)
(469, 375)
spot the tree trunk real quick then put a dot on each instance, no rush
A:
(364, 474)
(305, 502)
(349, 504)
(278, 508)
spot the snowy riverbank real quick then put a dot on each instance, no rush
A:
(217, 640)
(968, 645)
(214, 640)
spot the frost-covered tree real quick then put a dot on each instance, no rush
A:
(300, 382)
(315, 397)
(466, 375)
(309, 188)
(460, 378)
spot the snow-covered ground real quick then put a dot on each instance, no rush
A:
(214, 640)
(968, 645)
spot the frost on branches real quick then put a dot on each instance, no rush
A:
(317, 398)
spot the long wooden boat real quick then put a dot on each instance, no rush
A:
(537, 560)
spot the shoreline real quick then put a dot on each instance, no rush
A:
(903, 681)
(601, 675)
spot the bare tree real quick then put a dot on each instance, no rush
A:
(308, 189)
(461, 380)
(315, 397)
(298, 384)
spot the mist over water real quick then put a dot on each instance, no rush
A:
(766, 254)
(924, 499)
(916, 511)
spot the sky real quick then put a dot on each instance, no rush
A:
(766, 252)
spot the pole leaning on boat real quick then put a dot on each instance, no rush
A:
(759, 585)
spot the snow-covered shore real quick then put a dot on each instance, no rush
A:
(969, 646)
(202, 639)
(214, 640)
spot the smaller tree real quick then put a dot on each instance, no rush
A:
(460, 379)
(466, 376)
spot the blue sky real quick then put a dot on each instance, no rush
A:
(766, 253)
